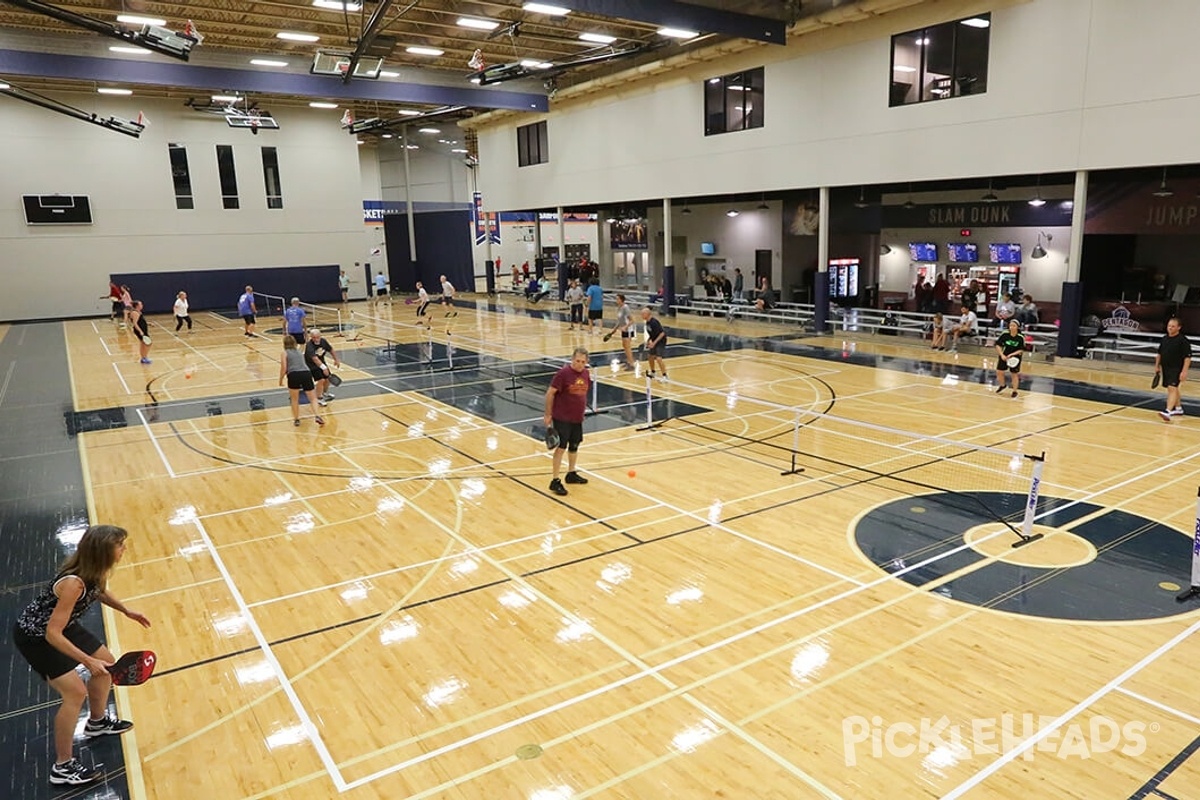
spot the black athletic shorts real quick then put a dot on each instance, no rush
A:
(595, 313)
(301, 380)
(380, 292)
(659, 349)
(248, 319)
(570, 434)
(1002, 365)
(46, 659)
(1170, 374)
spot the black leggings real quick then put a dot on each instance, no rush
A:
(180, 320)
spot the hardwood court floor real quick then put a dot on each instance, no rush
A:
(393, 606)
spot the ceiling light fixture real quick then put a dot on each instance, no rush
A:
(334, 5)
(976, 22)
(131, 19)
(385, 73)
(1163, 190)
(1036, 201)
(137, 51)
(909, 205)
(225, 98)
(678, 33)
(478, 24)
(107, 90)
(545, 8)
(861, 202)
(297, 37)
(319, 104)
(733, 212)
(267, 62)
(686, 210)
(530, 63)
(429, 130)
(409, 112)
(424, 51)
(597, 38)
(990, 196)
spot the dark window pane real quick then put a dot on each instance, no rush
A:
(754, 97)
(229, 192)
(714, 106)
(543, 143)
(971, 56)
(939, 62)
(180, 175)
(735, 99)
(947, 60)
(271, 178)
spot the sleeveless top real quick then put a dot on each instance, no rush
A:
(295, 361)
(36, 616)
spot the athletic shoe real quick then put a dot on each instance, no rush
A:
(322, 402)
(145, 361)
(329, 395)
(296, 422)
(1014, 393)
(557, 487)
(1165, 415)
(575, 477)
(1177, 412)
(319, 421)
(664, 377)
(74, 773)
(650, 375)
(108, 726)
(1000, 388)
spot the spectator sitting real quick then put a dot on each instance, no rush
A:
(966, 326)
(939, 332)
(1005, 310)
(1027, 312)
(532, 288)
(543, 289)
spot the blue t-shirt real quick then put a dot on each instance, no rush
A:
(295, 319)
(595, 297)
(246, 304)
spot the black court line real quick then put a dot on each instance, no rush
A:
(1151, 786)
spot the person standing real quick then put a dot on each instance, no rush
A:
(49, 636)
(625, 327)
(738, 284)
(1010, 349)
(1171, 364)
(656, 343)
(448, 296)
(566, 405)
(595, 296)
(181, 312)
(299, 379)
(316, 349)
(114, 297)
(381, 288)
(141, 329)
(423, 306)
(344, 285)
(941, 294)
(293, 320)
(247, 309)
(575, 301)
(126, 305)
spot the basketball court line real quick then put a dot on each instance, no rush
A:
(1160, 706)
(1046, 730)
(306, 722)
(154, 441)
(175, 335)
(613, 646)
(121, 378)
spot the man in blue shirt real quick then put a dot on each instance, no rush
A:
(293, 320)
(247, 310)
(595, 297)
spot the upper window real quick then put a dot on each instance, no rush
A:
(181, 176)
(225, 170)
(947, 60)
(533, 146)
(733, 102)
(271, 178)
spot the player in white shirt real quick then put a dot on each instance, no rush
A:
(448, 297)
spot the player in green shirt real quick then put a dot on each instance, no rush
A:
(1010, 347)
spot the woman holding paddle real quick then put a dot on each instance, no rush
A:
(49, 636)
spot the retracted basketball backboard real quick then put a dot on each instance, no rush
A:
(337, 64)
(255, 122)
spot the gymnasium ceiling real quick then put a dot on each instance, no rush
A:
(41, 53)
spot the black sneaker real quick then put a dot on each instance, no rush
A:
(109, 726)
(575, 477)
(74, 773)
(557, 487)
(1000, 388)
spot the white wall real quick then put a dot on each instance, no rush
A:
(1072, 84)
(63, 271)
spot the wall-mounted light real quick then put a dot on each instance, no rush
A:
(1163, 190)
(1038, 251)
(884, 249)
(990, 197)
(861, 202)
(733, 212)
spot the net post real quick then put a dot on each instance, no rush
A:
(650, 423)
(1194, 589)
(341, 331)
(795, 447)
(595, 392)
(1026, 533)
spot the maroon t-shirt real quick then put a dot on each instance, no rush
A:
(570, 397)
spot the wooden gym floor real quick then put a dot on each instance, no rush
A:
(394, 606)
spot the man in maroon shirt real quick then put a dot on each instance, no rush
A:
(566, 404)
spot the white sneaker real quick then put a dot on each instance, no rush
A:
(1177, 412)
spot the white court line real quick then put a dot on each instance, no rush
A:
(175, 335)
(286, 685)
(7, 378)
(154, 441)
(104, 344)
(120, 377)
(1078, 708)
(1158, 705)
(94, 328)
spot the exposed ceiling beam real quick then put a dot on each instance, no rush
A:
(672, 14)
(94, 69)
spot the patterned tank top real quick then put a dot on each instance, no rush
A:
(36, 616)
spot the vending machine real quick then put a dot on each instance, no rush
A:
(843, 278)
